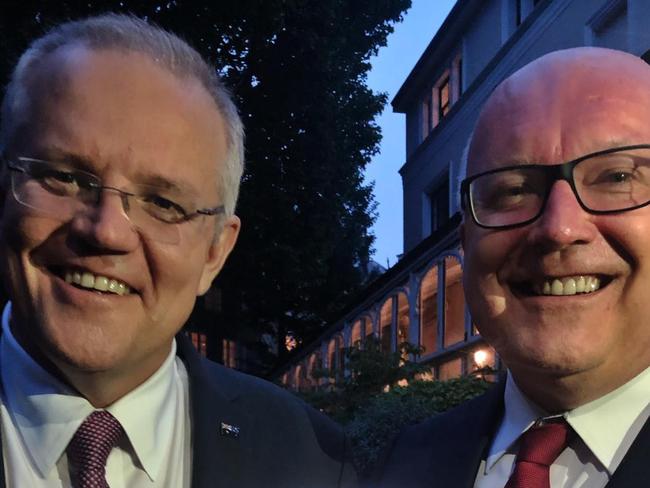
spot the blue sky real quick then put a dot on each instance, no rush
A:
(390, 68)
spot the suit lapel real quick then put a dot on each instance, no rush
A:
(634, 467)
(217, 451)
(456, 458)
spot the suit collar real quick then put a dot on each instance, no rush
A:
(456, 460)
(216, 454)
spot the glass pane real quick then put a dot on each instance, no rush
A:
(454, 303)
(429, 311)
(402, 319)
(450, 369)
(385, 322)
(355, 337)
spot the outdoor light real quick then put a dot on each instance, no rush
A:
(480, 358)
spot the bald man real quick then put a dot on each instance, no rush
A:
(556, 235)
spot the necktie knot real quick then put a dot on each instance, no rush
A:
(89, 449)
(539, 447)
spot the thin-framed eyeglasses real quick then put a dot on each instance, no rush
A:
(56, 189)
(604, 182)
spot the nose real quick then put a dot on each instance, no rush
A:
(106, 225)
(563, 222)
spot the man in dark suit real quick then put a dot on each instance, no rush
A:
(122, 155)
(557, 272)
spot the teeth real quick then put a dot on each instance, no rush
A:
(571, 285)
(96, 282)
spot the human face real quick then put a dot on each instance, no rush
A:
(125, 119)
(559, 108)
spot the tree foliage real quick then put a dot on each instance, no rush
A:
(372, 405)
(298, 71)
(378, 421)
(371, 371)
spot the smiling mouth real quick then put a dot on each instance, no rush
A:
(564, 286)
(89, 281)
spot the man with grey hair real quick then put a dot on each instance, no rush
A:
(122, 155)
(557, 272)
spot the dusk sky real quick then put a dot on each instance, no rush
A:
(389, 70)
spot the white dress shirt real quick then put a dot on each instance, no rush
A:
(39, 415)
(606, 429)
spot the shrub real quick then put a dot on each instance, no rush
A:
(375, 424)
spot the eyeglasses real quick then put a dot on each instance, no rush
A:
(55, 189)
(604, 182)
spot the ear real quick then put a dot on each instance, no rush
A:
(218, 252)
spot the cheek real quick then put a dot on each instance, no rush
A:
(488, 255)
(175, 274)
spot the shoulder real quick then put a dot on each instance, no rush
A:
(447, 439)
(284, 411)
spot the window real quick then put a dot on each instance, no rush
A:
(444, 99)
(441, 96)
(429, 311)
(450, 369)
(200, 342)
(402, 320)
(229, 351)
(454, 303)
(331, 356)
(439, 204)
(355, 336)
(385, 323)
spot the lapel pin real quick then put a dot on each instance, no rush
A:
(228, 430)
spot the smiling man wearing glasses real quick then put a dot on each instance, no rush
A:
(122, 155)
(556, 236)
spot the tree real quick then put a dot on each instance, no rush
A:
(298, 71)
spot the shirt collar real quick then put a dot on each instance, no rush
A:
(520, 413)
(623, 411)
(609, 424)
(47, 413)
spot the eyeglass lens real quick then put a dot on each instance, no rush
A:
(53, 200)
(610, 182)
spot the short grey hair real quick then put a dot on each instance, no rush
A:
(132, 34)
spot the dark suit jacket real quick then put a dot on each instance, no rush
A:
(446, 450)
(282, 442)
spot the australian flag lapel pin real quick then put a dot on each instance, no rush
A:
(228, 430)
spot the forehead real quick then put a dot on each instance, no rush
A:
(561, 108)
(124, 113)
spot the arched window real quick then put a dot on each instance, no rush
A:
(429, 311)
(331, 356)
(454, 302)
(402, 318)
(385, 325)
(355, 332)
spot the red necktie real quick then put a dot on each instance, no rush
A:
(89, 449)
(539, 446)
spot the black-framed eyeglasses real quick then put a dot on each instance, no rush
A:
(55, 189)
(604, 182)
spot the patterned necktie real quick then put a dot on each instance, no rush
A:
(539, 446)
(89, 449)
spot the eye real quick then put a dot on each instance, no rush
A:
(58, 181)
(505, 191)
(162, 208)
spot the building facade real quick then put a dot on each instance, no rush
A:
(420, 299)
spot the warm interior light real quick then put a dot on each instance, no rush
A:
(480, 358)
